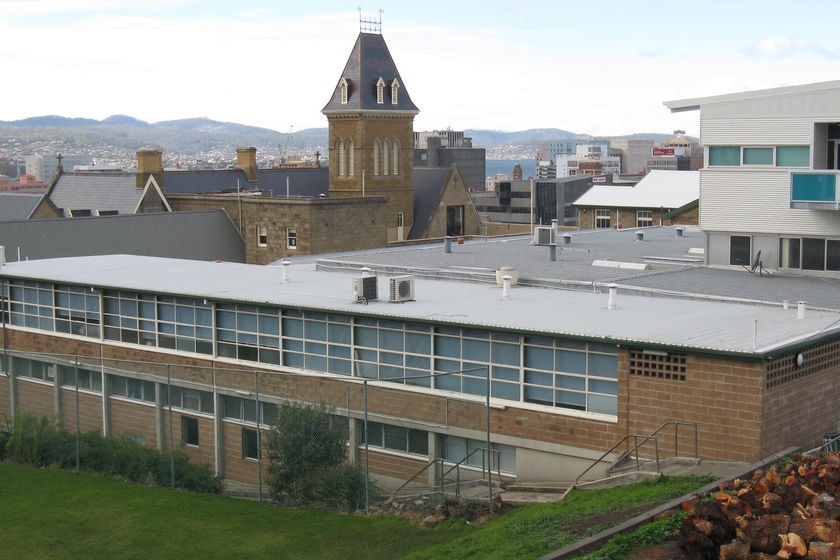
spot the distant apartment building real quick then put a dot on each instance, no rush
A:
(538, 202)
(44, 168)
(589, 159)
(444, 148)
(678, 153)
(633, 153)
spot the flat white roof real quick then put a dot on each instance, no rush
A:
(658, 189)
(712, 326)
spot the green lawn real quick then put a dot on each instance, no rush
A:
(50, 513)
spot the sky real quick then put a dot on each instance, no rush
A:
(601, 68)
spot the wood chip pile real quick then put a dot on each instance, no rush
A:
(790, 511)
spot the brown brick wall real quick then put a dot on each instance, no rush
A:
(135, 418)
(322, 225)
(89, 411)
(722, 397)
(5, 399)
(235, 466)
(205, 451)
(37, 398)
(394, 466)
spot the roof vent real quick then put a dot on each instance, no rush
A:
(402, 289)
(507, 271)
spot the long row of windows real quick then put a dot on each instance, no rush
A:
(803, 253)
(778, 156)
(546, 371)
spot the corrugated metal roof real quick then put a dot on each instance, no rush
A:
(658, 189)
(694, 104)
(704, 326)
(18, 206)
(205, 235)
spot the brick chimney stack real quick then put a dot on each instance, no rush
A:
(246, 160)
(149, 162)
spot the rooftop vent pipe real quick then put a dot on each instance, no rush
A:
(447, 244)
(506, 286)
(611, 298)
(285, 265)
(680, 231)
(567, 238)
(640, 236)
(800, 309)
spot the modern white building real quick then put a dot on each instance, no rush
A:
(768, 189)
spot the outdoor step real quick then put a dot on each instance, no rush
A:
(537, 488)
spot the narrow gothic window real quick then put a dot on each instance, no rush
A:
(376, 157)
(340, 149)
(395, 90)
(344, 88)
(396, 157)
(380, 91)
(387, 151)
(351, 167)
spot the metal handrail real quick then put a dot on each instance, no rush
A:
(441, 480)
(645, 439)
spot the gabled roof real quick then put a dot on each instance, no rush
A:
(658, 189)
(97, 191)
(205, 235)
(15, 206)
(429, 184)
(369, 61)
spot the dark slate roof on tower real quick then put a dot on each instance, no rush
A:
(429, 184)
(369, 61)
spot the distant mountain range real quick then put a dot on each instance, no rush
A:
(205, 135)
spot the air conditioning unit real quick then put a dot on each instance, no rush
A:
(402, 289)
(543, 235)
(364, 289)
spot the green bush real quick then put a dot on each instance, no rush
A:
(40, 442)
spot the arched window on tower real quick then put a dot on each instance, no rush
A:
(376, 149)
(351, 160)
(386, 150)
(395, 92)
(380, 91)
(345, 90)
(339, 148)
(396, 156)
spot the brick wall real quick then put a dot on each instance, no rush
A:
(89, 411)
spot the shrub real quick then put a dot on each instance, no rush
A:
(37, 441)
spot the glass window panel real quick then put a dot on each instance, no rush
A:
(572, 362)
(539, 395)
(724, 155)
(391, 372)
(603, 366)
(570, 382)
(339, 351)
(367, 355)
(509, 391)
(832, 255)
(789, 252)
(204, 317)
(316, 330)
(454, 448)
(758, 156)
(366, 336)
(739, 250)
(342, 367)
(391, 340)
(269, 356)
(292, 359)
(339, 333)
(448, 382)
(166, 312)
(292, 327)
(368, 370)
(418, 343)
(539, 357)
(226, 319)
(813, 254)
(418, 362)
(508, 374)
(446, 346)
(317, 348)
(246, 322)
(475, 386)
(569, 399)
(185, 314)
(793, 156)
(375, 434)
(418, 442)
(478, 350)
(391, 358)
(603, 405)
(539, 378)
(601, 386)
(269, 324)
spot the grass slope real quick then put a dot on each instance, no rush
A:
(52, 514)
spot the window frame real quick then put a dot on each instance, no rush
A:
(190, 431)
(262, 236)
(291, 238)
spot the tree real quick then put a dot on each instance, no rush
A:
(306, 459)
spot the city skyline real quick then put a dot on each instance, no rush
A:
(603, 70)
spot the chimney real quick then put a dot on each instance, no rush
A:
(149, 162)
(246, 160)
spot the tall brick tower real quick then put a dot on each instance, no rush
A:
(371, 133)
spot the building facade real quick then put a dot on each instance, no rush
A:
(768, 190)
(172, 352)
